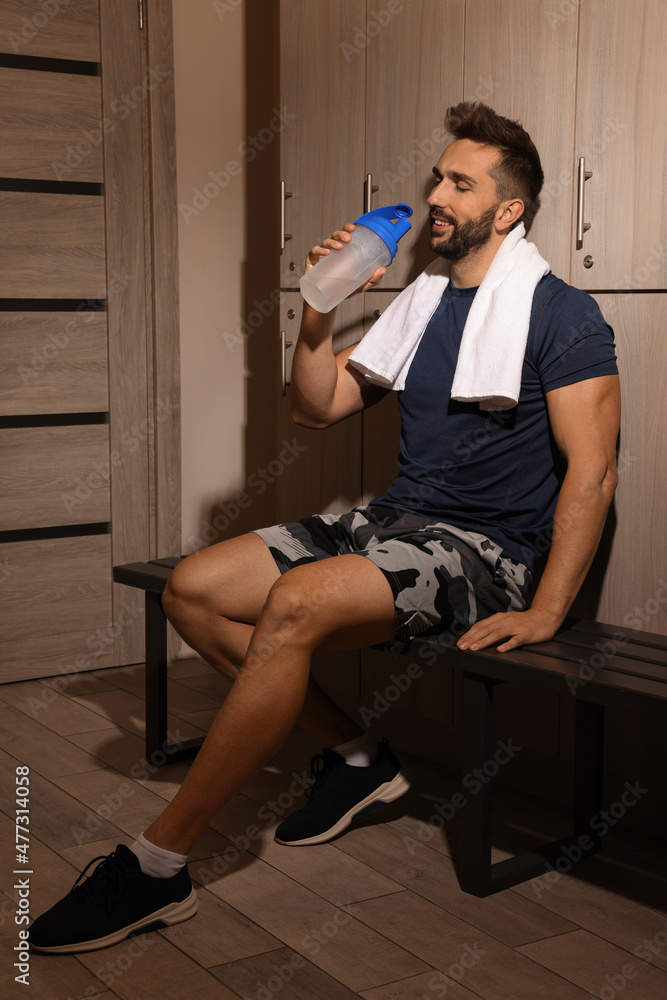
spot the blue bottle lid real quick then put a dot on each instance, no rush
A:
(390, 223)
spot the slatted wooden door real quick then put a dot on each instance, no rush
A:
(77, 419)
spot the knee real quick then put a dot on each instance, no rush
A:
(290, 608)
(184, 587)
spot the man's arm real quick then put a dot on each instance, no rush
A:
(324, 387)
(585, 421)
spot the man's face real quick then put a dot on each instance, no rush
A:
(464, 201)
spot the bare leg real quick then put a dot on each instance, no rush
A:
(214, 599)
(305, 607)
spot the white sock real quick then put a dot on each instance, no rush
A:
(155, 860)
(359, 752)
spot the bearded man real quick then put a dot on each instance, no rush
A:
(509, 400)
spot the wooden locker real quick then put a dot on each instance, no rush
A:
(322, 145)
(621, 132)
(523, 63)
(414, 69)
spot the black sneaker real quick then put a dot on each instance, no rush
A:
(116, 901)
(340, 792)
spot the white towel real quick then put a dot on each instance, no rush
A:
(493, 344)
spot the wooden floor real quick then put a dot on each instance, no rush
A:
(377, 914)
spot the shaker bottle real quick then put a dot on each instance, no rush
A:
(374, 244)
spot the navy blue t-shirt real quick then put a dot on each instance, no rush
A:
(495, 472)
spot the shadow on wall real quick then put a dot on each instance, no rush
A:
(257, 334)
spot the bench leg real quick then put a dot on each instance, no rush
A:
(478, 876)
(476, 815)
(158, 749)
(588, 768)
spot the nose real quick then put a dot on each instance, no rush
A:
(437, 197)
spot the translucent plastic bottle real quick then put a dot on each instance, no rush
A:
(374, 244)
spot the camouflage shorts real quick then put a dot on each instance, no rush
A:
(444, 577)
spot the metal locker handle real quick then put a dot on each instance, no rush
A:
(369, 191)
(285, 344)
(582, 177)
(284, 195)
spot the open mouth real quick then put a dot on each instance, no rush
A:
(439, 225)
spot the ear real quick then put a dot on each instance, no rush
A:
(509, 213)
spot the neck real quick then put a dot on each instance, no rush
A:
(468, 272)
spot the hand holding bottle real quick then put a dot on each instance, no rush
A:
(355, 257)
(335, 243)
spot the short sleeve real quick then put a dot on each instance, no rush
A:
(572, 341)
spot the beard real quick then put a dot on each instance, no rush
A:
(466, 237)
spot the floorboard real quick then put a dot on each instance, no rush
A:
(598, 966)
(378, 913)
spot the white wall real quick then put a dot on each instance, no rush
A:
(210, 117)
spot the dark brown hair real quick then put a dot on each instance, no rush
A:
(518, 173)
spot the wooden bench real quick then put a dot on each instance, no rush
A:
(598, 665)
